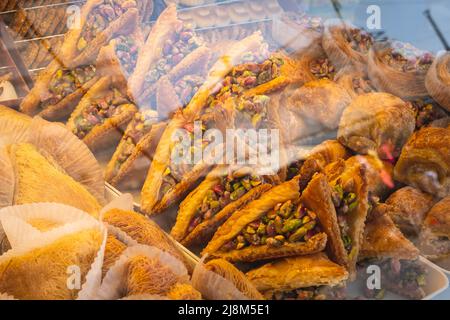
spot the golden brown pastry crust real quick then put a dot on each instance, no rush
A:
(108, 64)
(425, 161)
(152, 201)
(317, 196)
(403, 84)
(408, 208)
(438, 218)
(133, 171)
(30, 104)
(338, 49)
(163, 29)
(375, 120)
(352, 178)
(123, 25)
(382, 239)
(297, 272)
(68, 56)
(195, 63)
(148, 276)
(34, 172)
(218, 72)
(188, 207)
(321, 102)
(226, 270)
(144, 231)
(252, 211)
(437, 80)
(41, 273)
(111, 130)
(320, 156)
(376, 171)
(113, 249)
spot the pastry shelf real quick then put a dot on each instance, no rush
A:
(40, 38)
(208, 5)
(68, 3)
(235, 24)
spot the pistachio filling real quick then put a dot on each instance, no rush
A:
(405, 57)
(127, 53)
(231, 187)
(287, 222)
(405, 275)
(187, 86)
(344, 202)
(309, 293)
(252, 112)
(67, 81)
(98, 111)
(246, 76)
(362, 85)
(139, 126)
(426, 111)
(174, 50)
(98, 20)
(359, 40)
(174, 173)
(322, 69)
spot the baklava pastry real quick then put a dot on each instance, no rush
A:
(346, 45)
(437, 80)
(223, 191)
(319, 157)
(379, 175)
(399, 68)
(130, 162)
(378, 122)
(26, 173)
(386, 247)
(355, 82)
(102, 115)
(39, 272)
(176, 89)
(425, 161)
(100, 21)
(275, 225)
(246, 68)
(220, 280)
(435, 234)
(408, 208)
(113, 250)
(321, 103)
(350, 198)
(118, 59)
(312, 277)
(143, 230)
(171, 176)
(58, 90)
(151, 276)
(169, 43)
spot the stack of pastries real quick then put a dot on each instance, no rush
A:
(373, 190)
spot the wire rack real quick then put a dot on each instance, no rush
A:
(49, 4)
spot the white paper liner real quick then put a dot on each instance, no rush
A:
(14, 219)
(93, 277)
(70, 153)
(213, 286)
(113, 283)
(123, 202)
(14, 127)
